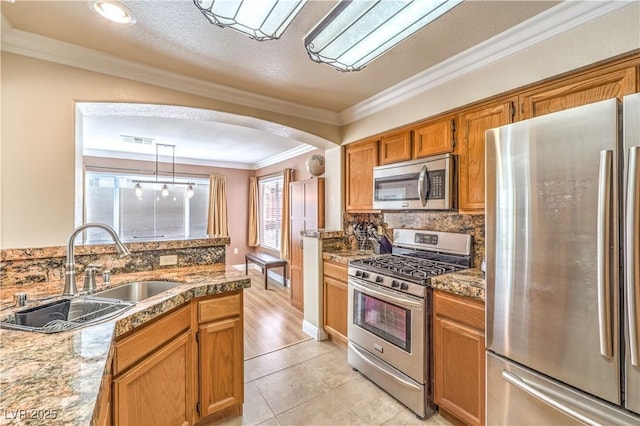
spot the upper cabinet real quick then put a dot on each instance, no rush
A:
(395, 147)
(434, 137)
(473, 123)
(360, 159)
(583, 89)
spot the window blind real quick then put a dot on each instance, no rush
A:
(270, 211)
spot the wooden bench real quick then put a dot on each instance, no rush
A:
(266, 262)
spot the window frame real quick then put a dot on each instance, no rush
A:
(263, 183)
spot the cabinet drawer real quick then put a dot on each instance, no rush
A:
(219, 307)
(133, 348)
(461, 309)
(335, 270)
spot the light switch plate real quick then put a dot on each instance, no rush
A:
(169, 260)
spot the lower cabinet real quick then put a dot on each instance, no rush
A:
(221, 350)
(180, 368)
(335, 294)
(459, 357)
(153, 381)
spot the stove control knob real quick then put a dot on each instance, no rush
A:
(379, 279)
(395, 283)
(358, 273)
(404, 286)
(365, 275)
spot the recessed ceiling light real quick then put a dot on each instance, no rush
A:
(115, 12)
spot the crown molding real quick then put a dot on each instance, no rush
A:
(299, 150)
(550, 23)
(48, 49)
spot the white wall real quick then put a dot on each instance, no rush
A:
(38, 155)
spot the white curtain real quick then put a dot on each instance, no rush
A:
(217, 225)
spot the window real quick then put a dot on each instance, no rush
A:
(111, 199)
(270, 211)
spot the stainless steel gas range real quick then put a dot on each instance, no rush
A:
(389, 312)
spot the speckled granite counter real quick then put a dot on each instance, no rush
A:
(56, 378)
(469, 283)
(345, 256)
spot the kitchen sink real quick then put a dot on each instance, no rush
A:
(65, 314)
(139, 290)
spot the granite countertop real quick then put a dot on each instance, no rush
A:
(468, 282)
(322, 233)
(56, 378)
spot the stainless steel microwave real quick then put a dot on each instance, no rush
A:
(424, 184)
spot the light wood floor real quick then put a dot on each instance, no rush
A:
(270, 322)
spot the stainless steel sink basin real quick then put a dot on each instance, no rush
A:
(139, 290)
(65, 314)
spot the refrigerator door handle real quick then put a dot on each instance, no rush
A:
(603, 244)
(540, 394)
(632, 254)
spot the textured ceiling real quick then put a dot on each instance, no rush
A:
(174, 36)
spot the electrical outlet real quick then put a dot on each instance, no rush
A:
(169, 260)
(235, 250)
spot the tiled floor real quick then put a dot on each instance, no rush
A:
(310, 383)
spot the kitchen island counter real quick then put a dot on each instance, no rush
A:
(58, 378)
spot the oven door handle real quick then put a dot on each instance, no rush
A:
(405, 303)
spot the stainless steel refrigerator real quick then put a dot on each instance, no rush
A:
(563, 267)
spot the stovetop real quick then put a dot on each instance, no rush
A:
(409, 268)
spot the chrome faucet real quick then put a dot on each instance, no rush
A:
(70, 288)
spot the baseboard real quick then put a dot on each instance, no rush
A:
(317, 333)
(272, 274)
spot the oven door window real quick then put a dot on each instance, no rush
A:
(383, 319)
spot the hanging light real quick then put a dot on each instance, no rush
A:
(259, 19)
(165, 191)
(354, 33)
(165, 188)
(190, 191)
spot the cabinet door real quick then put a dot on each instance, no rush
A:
(434, 138)
(335, 308)
(581, 90)
(473, 124)
(158, 390)
(360, 159)
(297, 288)
(221, 365)
(459, 357)
(395, 147)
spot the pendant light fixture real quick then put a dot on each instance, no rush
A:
(165, 184)
(259, 19)
(354, 33)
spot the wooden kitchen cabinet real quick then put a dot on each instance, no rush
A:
(395, 147)
(473, 124)
(221, 354)
(360, 159)
(334, 283)
(434, 137)
(153, 368)
(595, 86)
(307, 212)
(459, 357)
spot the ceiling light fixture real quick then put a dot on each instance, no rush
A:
(115, 11)
(165, 184)
(259, 19)
(354, 33)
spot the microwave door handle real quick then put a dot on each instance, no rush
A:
(422, 177)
